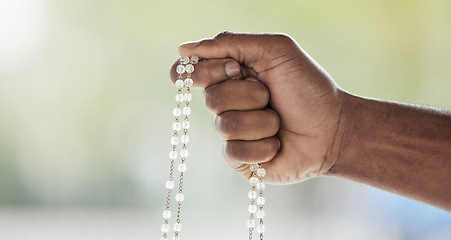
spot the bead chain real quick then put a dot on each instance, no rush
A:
(257, 200)
(256, 211)
(186, 65)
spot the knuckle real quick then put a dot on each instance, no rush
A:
(262, 95)
(223, 34)
(273, 146)
(274, 120)
(285, 38)
(283, 43)
(227, 124)
(227, 152)
(213, 99)
(235, 150)
(212, 73)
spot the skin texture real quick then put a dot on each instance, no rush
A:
(275, 105)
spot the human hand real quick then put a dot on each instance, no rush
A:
(274, 104)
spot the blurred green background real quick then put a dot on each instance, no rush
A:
(85, 114)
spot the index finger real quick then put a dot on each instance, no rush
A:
(252, 50)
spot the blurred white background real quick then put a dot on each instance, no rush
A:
(85, 114)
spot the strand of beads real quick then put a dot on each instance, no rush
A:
(257, 200)
(186, 66)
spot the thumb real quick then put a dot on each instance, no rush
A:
(253, 50)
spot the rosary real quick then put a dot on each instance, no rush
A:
(180, 136)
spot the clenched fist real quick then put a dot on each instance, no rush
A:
(273, 104)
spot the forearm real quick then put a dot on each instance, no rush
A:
(399, 148)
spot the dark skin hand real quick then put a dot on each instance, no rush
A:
(276, 106)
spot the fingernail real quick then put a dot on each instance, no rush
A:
(190, 44)
(232, 68)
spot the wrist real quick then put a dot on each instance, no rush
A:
(341, 150)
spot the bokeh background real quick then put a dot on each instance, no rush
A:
(85, 114)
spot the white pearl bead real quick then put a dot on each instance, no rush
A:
(176, 112)
(261, 172)
(179, 197)
(179, 98)
(194, 59)
(253, 180)
(261, 200)
(175, 140)
(186, 124)
(188, 82)
(179, 83)
(180, 69)
(163, 238)
(252, 195)
(170, 184)
(188, 97)
(253, 167)
(186, 111)
(176, 126)
(184, 153)
(165, 228)
(173, 155)
(177, 227)
(167, 214)
(250, 223)
(189, 68)
(252, 208)
(184, 139)
(182, 167)
(260, 214)
(261, 186)
(184, 60)
(260, 228)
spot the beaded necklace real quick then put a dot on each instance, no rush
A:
(180, 136)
